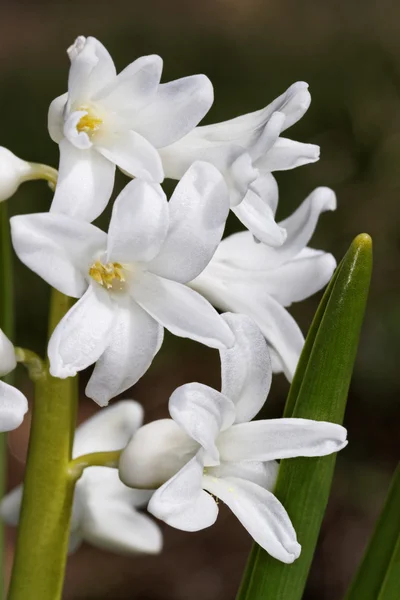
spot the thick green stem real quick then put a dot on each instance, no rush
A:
(94, 459)
(7, 325)
(43, 533)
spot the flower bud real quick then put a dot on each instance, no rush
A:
(13, 171)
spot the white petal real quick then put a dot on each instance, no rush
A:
(83, 334)
(182, 503)
(134, 87)
(115, 525)
(58, 248)
(10, 506)
(92, 68)
(85, 182)
(301, 277)
(287, 154)
(198, 211)
(257, 215)
(156, 452)
(181, 310)
(109, 429)
(260, 513)
(301, 225)
(264, 474)
(266, 187)
(55, 119)
(245, 368)
(177, 108)
(7, 355)
(281, 438)
(77, 138)
(13, 407)
(202, 412)
(134, 154)
(139, 223)
(135, 339)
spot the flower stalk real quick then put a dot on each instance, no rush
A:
(43, 534)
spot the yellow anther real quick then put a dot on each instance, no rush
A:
(108, 274)
(90, 122)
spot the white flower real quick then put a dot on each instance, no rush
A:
(107, 120)
(246, 150)
(131, 281)
(13, 172)
(13, 404)
(260, 281)
(209, 445)
(104, 510)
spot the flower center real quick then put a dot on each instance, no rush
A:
(90, 122)
(110, 275)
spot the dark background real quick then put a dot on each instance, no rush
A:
(349, 53)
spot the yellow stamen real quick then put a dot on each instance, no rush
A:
(107, 274)
(89, 123)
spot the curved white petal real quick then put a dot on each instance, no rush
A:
(287, 154)
(266, 187)
(198, 211)
(13, 407)
(10, 506)
(181, 310)
(177, 108)
(85, 182)
(79, 139)
(134, 341)
(258, 217)
(202, 412)
(301, 277)
(260, 513)
(59, 249)
(92, 68)
(55, 118)
(112, 524)
(245, 368)
(109, 429)
(181, 501)
(83, 334)
(134, 154)
(264, 474)
(155, 453)
(134, 87)
(7, 355)
(139, 223)
(281, 438)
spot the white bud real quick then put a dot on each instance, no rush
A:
(13, 171)
(7, 355)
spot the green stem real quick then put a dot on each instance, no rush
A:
(7, 325)
(43, 533)
(39, 171)
(33, 363)
(94, 459)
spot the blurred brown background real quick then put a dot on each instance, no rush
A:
(349, 53)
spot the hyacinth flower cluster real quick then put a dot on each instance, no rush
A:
(164, 263)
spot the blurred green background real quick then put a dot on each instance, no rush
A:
(349, 53)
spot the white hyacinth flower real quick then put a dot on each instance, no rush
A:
(13, 172)
(246, 150)
(13, 404)
(260, 281)
(107, 120)
(104, 509)
(211, 446)
(131, 282)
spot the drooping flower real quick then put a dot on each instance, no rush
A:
(211, 447)
(104, 509)
(107, 120)
(247, 150)
(131, 283)
(13, 404)
(251, 278)
(14, 171)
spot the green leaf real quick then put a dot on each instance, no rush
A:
(378, 576)
(319, 391)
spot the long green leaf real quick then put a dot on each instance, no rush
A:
(320, 392)
(374, 568)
